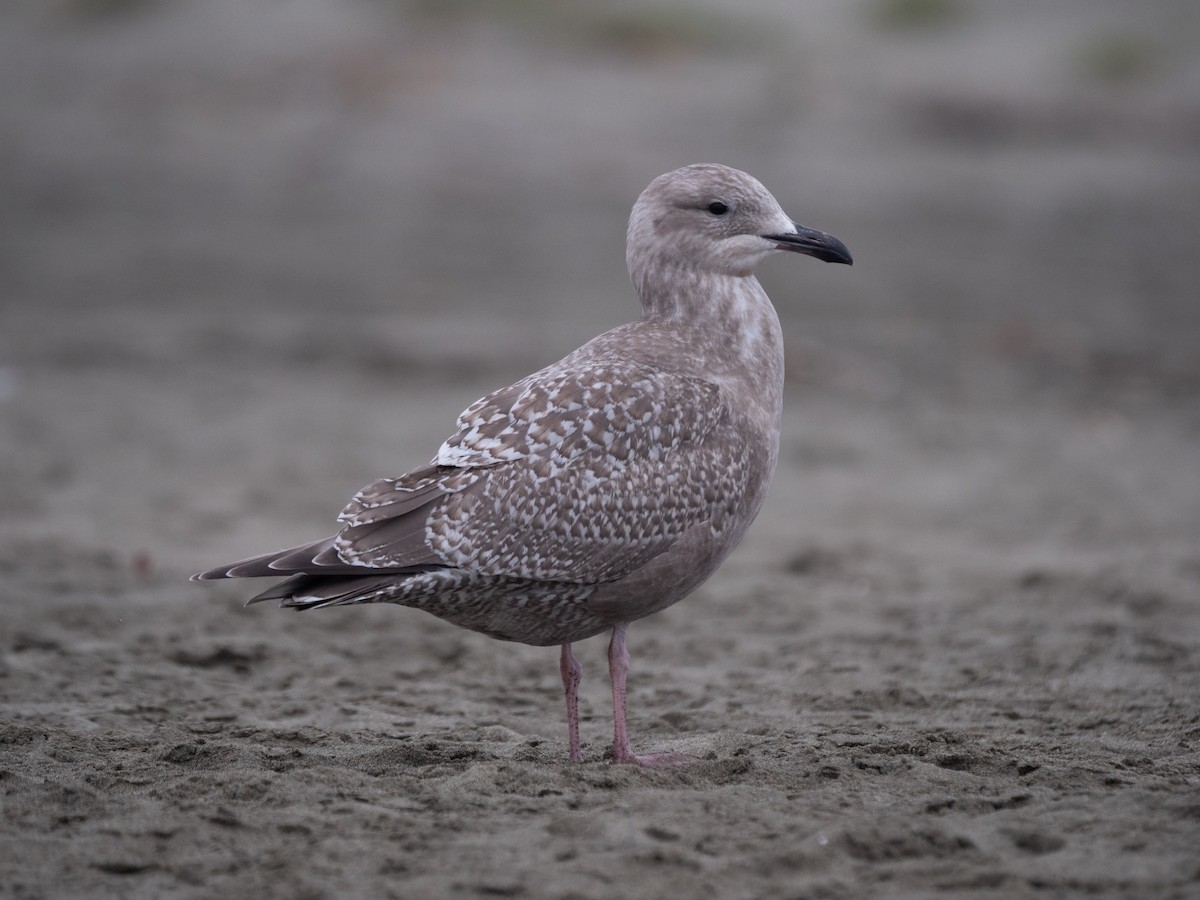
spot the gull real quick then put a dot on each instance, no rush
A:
(608, 485)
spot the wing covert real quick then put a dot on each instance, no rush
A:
(572, 474)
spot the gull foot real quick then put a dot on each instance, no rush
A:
(656, 760)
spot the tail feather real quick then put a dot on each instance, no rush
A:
(319, 576)
(315, 591)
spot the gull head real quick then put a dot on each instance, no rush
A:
(710, 218)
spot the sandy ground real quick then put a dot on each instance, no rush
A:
(254, 256)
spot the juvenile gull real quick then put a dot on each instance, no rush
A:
(606, 486)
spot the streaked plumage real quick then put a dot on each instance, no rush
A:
(606, 486)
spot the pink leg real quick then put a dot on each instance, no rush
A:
(622, 752)
(572, 672)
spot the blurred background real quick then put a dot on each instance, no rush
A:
(255, 255)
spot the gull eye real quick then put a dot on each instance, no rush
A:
(717, 208)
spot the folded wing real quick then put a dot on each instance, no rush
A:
(573, 474)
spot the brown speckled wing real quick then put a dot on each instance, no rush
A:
(575, 474)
